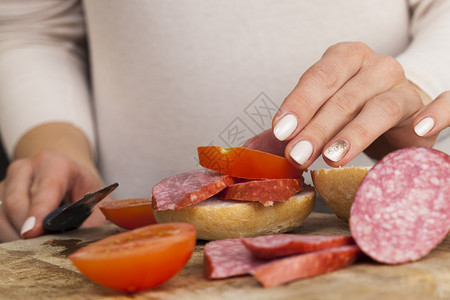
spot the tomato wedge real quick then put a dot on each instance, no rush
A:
(137, 259)
(246, 163)
(129, 213)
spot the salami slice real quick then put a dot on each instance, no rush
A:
(266, 142)
(278, 245)
(401, 209)
(266, 191)
(228, 258)
(295, 267)
(188, 188)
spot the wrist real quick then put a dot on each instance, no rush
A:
(57, 137)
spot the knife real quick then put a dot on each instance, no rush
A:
(72, 215)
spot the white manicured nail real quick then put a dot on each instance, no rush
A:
(336, 151)
(301, 152)
(285, 127)
(424, 126)
(28, 225)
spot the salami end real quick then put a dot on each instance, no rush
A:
(401, 209)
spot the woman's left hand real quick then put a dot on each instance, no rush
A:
(355, 100)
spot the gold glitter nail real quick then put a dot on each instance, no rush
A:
(336, 151)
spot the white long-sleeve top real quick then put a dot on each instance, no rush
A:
(160, 78)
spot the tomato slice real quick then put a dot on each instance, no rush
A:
(246, 163)
(129, 213)
(137, 259)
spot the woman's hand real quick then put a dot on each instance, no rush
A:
(36, 186)
(355, 100)
(53, 164)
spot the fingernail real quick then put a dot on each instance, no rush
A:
(301, 152)
(285, 127)
(424, 126)
(336, 151)
(28, 225)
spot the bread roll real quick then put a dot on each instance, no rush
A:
(337, 187)
(220, 219)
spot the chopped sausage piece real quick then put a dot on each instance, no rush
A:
(401, 209)
(228, 258)
(188, 188)
(295, 267)
(278, 245)
(266, 191)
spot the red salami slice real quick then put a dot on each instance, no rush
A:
(228, 258)
(295, 267)
(401, 209)
(278, 245)
(266, 142)
(265, 191)
(188, 188)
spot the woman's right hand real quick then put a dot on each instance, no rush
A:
(34, 187)
(53, 164)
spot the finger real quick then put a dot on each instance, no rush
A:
(338, 64)
(51, 183)
(16, 192)
(7, 232)
(434, 117)
(379, 115)
(382, 73)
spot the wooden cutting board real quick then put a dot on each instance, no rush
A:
(39, 269)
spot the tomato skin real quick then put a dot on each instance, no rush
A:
(246, 163)
(129, 213)
(138, 259)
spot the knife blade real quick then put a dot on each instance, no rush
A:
(72, 215)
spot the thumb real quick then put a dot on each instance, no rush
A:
(434, 117)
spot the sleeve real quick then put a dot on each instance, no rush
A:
(426, 60)
(43, 68)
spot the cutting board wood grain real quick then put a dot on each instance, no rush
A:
(39, 269)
